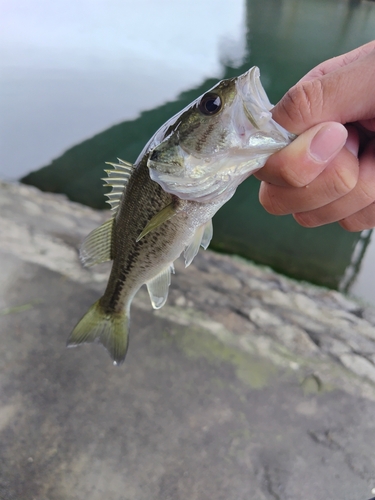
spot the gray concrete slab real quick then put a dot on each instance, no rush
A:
(211, 403)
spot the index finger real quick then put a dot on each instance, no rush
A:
(338, 62)
(344, 95)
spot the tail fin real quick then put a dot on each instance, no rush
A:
(111, 330)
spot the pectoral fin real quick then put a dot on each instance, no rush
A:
(167, 213)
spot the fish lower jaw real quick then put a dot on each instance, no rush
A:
(210, 190)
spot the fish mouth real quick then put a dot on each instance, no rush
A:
(256, 105)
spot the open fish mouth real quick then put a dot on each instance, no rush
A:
(256, 105)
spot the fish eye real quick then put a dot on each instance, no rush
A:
(210, 104)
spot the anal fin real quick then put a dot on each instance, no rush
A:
(207, 234)
(202, 237)
(158, 287)
(193, 248)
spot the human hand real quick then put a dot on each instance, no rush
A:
(328, 173)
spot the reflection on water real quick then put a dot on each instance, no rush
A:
(61, 89)
(71, 69)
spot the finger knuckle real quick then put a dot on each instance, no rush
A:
(364, 219)
(271, 202)
(349, 225)
(307, 219)
(292, 177)
(344, 181)
(366, 194)
(304, 101)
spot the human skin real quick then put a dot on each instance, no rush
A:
(328, 173)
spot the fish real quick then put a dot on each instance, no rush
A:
(163, 204)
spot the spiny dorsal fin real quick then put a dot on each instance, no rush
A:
(202, 237)
(158, 287)
(97, 246)
(167, 213)
(117, 179)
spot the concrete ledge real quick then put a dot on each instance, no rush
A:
(246, 385)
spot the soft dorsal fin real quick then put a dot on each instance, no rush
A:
(97, 246)
(118, 180)
(202, 237)
(158, 287)
(165, 214)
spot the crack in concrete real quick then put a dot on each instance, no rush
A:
(325, 439)
(268, 484)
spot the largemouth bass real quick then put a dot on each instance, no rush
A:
(163, 204)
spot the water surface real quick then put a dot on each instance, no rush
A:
(70, 71)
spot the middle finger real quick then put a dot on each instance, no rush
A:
(356, 200)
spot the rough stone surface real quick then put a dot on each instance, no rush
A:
(246, 385)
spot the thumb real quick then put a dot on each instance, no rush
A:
(344, 95)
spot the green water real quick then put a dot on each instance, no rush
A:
(285, 38)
